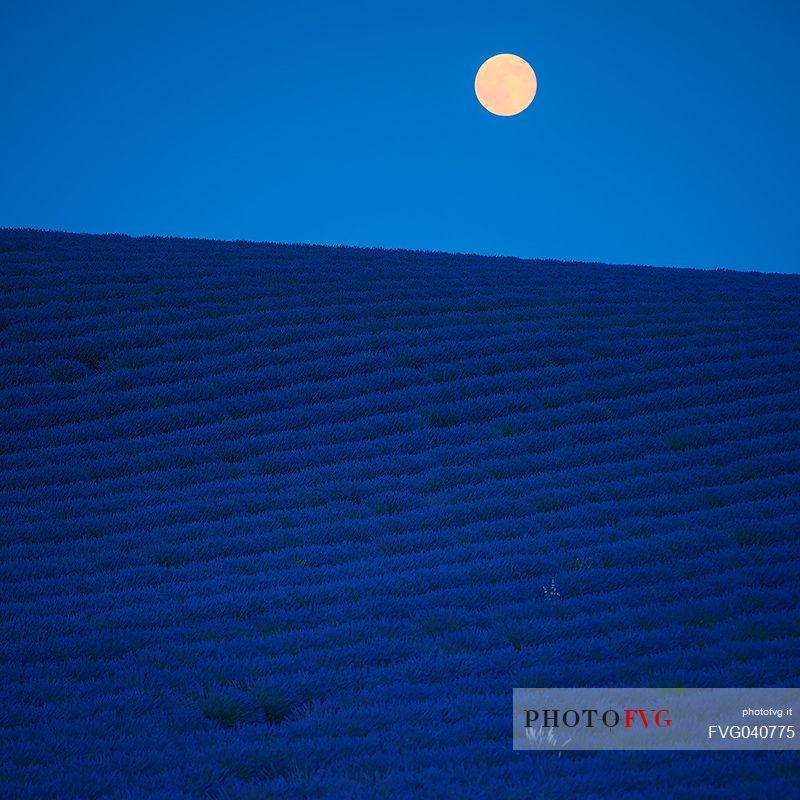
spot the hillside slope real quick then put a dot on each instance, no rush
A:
(292, 521)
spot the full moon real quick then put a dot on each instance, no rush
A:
(505, 84)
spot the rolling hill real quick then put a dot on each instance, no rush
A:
(292, 521)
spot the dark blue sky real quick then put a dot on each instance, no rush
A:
(662, 132)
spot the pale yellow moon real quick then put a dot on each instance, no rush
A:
(505, 84)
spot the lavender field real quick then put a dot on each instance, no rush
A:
(292, 521)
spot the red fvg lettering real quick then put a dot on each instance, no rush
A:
(658, 717)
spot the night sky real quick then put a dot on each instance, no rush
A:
(662, 133)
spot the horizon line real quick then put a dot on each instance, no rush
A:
(536, 259)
